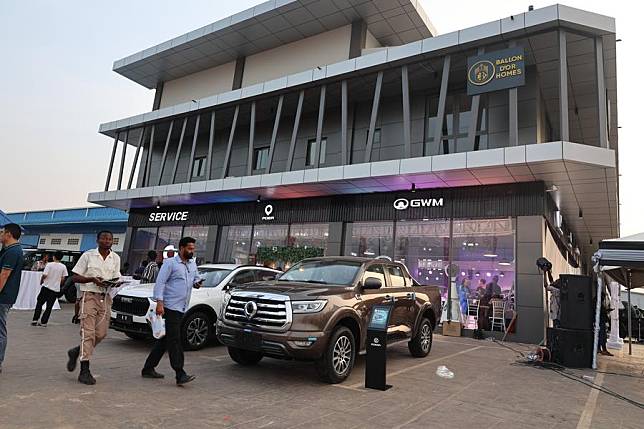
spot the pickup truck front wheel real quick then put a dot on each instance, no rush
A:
(421, 344)
(338, 359)
(244, 357)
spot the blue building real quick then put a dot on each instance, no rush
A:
(70, 230)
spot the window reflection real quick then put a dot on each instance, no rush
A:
(237, 244)
(369, 239)
(309, 235)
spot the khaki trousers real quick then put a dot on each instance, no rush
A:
(95, 311)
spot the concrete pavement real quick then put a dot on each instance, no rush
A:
(489, 389)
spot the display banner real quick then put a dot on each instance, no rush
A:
(495, 71)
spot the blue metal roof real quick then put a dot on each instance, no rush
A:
(69, 216)
(4, 219)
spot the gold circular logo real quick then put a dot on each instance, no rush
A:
(481, 72)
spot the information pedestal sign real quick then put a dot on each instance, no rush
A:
(376, 360)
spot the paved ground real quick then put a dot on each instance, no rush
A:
(489, 389)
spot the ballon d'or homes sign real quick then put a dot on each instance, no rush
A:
(495, 71)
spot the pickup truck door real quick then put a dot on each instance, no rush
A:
(405, 309)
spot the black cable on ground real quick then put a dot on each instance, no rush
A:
(565, 372)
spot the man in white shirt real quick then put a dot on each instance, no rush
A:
(52, 278)
(94, 268)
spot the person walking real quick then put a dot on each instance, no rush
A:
(11, 262)
(151, 270)
(52, 279)
(172, 292)
(92, 270)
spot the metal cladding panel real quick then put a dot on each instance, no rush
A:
(524, 199)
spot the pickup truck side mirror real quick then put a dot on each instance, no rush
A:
(372, 283)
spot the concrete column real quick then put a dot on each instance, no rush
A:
(531, 307)
(334, 243)
(125, 254)
(614, 340)
(211, 244)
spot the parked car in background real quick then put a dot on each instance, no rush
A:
(637, 322)
(319, 311)
(131, 305)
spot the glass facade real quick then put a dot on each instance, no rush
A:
(369, 239)
(236, 244)
(482, 250)
(309, 235)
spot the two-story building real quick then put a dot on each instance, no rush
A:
(353, 127)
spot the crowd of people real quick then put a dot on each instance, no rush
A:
(96, 273)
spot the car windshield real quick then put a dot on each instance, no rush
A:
(213, 276)
(323, 272)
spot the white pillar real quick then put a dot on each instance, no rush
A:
(614, 341)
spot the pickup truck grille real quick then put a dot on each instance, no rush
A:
(130, 305)
(270, 312)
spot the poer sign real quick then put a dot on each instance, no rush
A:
(495, 71)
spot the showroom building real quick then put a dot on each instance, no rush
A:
(353, 128)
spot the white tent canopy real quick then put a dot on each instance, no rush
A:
(622, 259)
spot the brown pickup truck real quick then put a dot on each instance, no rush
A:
(319, 310)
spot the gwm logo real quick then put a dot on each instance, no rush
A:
(404, 203)
(268, 211)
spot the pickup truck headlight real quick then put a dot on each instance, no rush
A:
(307, 306)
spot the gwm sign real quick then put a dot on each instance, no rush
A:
(404, 203)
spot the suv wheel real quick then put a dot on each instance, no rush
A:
(421, 344)
(336, 363)
(244, 357)
(196, 331)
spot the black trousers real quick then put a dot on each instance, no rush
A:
(46, 296)
(170, 343)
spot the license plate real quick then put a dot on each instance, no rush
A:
(249, 340)
(126, 318)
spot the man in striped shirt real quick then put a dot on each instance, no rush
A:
(152, 269)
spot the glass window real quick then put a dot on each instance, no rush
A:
(369, 239)
(376, 271)
(260, 158)
(199, 167)
(323, 272)
(396, 276)
(236, 245)
(376, 137)
(484, 252)
(263, 275)
(423, 246)
(142, 242)
(243, 277)
(269, 236)
(200, 234)
(311, 148)
(168, 235)
(309, 235)
(212, 277)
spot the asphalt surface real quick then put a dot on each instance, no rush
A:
(489, 388)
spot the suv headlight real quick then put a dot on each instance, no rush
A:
(307, 306)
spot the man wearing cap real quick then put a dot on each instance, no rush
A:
(92, 270)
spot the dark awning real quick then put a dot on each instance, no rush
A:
(623, 257)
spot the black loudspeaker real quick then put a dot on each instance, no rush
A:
(577, 297)
(571, 348)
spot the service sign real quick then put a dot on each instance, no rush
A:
(495, 71)
(170, 216)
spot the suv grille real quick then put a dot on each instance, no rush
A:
(271, 312)
(131, 305)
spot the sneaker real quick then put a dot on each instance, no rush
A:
(151, 373)
(185, 379)
(44, 325)
(73, 358)
(34, 323)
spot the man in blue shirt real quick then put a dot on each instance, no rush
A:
(172, 290)
(11, 262)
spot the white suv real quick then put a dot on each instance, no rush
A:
(132, 303)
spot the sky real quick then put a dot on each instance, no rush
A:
(57, 86)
